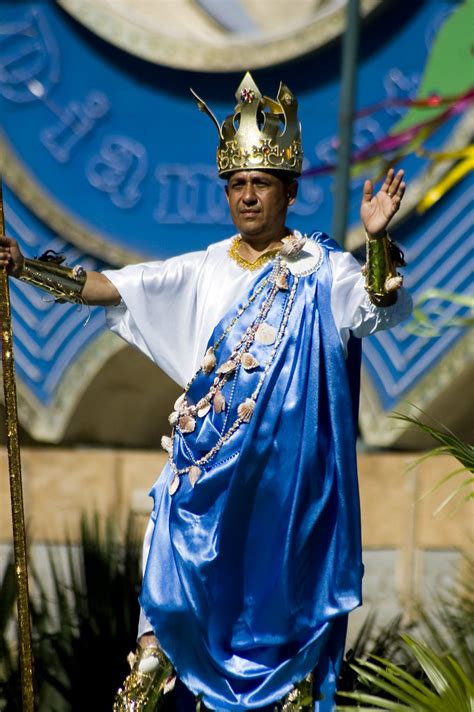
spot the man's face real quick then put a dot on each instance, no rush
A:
(258, 203)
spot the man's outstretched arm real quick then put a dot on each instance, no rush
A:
(94, 288)
(99, 291)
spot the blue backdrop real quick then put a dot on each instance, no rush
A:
(111, 152)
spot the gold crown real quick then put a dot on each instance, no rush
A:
(261, 134)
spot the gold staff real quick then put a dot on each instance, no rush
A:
(16, 492)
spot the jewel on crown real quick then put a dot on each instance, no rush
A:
(261, 134)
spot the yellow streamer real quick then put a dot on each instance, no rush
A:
(466, 152)
(456, 174)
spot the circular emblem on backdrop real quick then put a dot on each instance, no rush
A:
(98, 155)
(211, 35)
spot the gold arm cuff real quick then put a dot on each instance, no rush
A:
(380, 270)
(48, 273)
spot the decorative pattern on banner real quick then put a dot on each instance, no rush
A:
(48, 336)
(215, 36)
(110, 153)
(111, 150)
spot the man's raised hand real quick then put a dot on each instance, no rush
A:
(376, 210)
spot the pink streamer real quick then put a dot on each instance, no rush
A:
(391, 143)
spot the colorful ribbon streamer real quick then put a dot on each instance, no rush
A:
(408, 139)
(456, 174)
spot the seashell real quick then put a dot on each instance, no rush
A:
(167, 444)
(203, 407)
(246, 409)
(266, 334)
(149, 664)
(173, 418)
(393, 283)
(209, 361)
(180, 402)
(173, 485)
(281, 281)
(186, 424)
(227, 367)
(292, 247)
(219, 401)
(249, 362)
(78, 271)
(194, 474)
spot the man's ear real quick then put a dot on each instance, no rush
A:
(226, 188)
(292, 192)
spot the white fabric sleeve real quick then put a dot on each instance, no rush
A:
(351, 307)
(157, 313)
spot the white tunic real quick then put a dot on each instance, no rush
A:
(169, 309)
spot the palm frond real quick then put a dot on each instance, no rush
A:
(447, 688)
(10, 684)
(94, 616)
(373, 641)
(449, 444)
(431, 322)
(448, 624)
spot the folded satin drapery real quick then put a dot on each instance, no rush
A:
(251, 573)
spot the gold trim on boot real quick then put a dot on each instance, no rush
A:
(150, 674)
(300, 698)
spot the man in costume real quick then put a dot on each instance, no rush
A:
(252, 557)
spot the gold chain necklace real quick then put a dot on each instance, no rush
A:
(234, 254)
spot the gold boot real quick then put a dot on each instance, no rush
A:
(300, 698)
(150, 677)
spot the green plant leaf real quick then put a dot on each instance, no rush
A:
(399, 677)
(375, 701)
(449, 444)
(447, 687)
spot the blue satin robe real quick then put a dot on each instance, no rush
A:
(252, 573)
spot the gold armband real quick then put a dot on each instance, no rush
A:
(49, 273)
(380, 270)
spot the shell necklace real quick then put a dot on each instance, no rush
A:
(183, 417)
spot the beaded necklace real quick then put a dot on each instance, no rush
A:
(183, 417)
